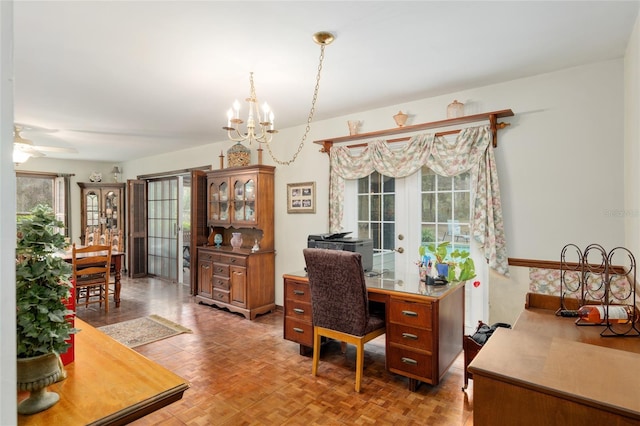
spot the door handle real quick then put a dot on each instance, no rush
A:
(400, 250)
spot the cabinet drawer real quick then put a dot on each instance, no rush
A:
(204, 255)
(298, 331)
(410, 313)
(405, 360)
(220, 283)
(220, 295)
(414, 337)
(233, 260)
(221, 270)
(297, 291)
(298, 310)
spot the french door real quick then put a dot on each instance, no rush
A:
(400, 214)
(165, 243)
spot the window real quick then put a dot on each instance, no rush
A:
(41, 188)
(446, 208)
(376, 214)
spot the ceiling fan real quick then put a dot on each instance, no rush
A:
(23, 149)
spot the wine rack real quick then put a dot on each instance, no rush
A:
(587, 276)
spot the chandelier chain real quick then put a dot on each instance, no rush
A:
(309, 117)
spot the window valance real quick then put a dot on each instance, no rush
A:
(471, 151)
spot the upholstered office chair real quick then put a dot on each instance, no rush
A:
(91, 267)
(339, 303)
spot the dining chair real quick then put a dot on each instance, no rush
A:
(91, 267)
(339, 303)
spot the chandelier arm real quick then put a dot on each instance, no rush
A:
(309, 117)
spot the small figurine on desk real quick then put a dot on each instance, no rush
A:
(256, 246)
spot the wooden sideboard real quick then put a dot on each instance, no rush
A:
(239, 200)
(237, 279)
(547, 370)
(424, 324)
(107, 384)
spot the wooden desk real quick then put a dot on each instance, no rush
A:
(424, 324)
(547, 370)
(116, 261)
(107, 384)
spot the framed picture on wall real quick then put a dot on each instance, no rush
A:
(301, 197)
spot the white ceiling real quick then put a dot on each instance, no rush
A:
(119, 80)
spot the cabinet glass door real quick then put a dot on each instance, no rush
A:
(111, 210)
(244, 201)
(93, 209)
(219, 201)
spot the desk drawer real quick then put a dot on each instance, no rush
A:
(298, 331)
(221, 270)
(298, 310)
(414, 337)
(415, 314)
(297, 291)
(407, 361)
(221, 296)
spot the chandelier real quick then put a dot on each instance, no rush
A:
(260, 120)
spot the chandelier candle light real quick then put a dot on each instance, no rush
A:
(260, 120)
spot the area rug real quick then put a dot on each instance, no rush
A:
(144, 330)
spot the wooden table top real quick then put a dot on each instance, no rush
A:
(551, 354)
(108, 383)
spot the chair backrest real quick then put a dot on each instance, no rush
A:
(338, 290)
(91, 265)
(115, 239)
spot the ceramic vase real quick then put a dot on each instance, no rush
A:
(236, 240)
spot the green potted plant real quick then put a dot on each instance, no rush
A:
(457, 266)
(42, 285)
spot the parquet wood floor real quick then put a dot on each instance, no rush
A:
(244, 373)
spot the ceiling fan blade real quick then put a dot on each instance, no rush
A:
(55, 149)
(32, 127)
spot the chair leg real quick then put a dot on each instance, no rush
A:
(343, 347)
(316, 351)
(359, 363)
(106, 298)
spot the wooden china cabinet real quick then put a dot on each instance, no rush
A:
(102, 207)
(242, 280)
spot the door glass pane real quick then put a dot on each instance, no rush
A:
(162, 228)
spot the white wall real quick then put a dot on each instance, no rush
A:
(632, 141)
(560, 165)
(8, 401)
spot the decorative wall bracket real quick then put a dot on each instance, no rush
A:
(492, 117)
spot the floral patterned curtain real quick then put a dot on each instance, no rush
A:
(471, 151)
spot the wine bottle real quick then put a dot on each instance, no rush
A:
(618, 314)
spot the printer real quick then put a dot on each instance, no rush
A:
(337, 241)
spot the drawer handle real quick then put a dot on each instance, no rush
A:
(220, 282)
(410, 313)
(409, 361)
(298, 311)
(219, 270)
(233, 260)
(205, 266)
(409, 336)
(298, 292)
(298, 330)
